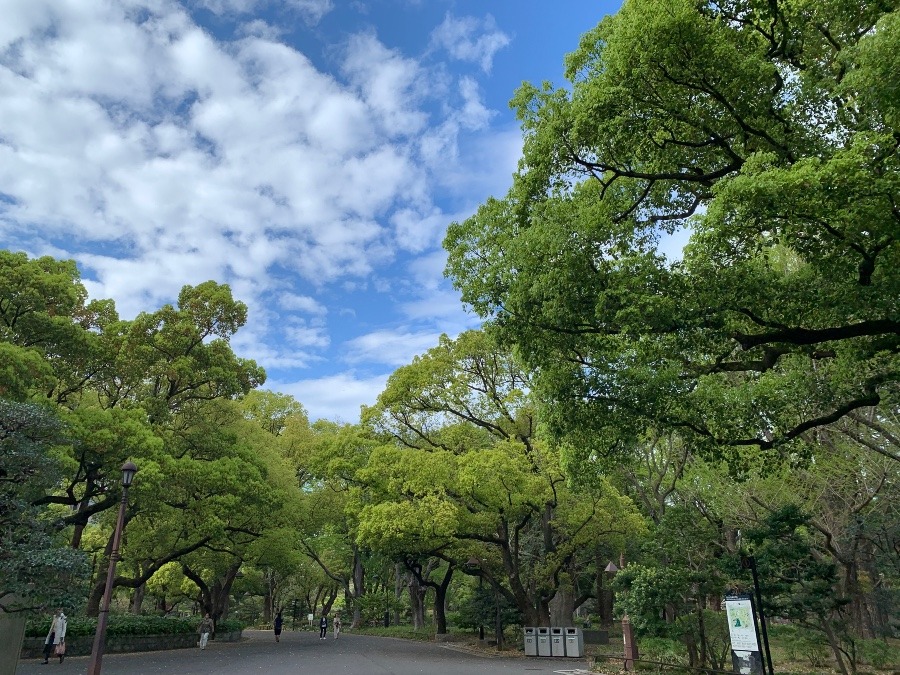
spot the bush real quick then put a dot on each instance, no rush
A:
(227, 626)
(663, 650)
(878, 653)
(128, 624)
(802, 644)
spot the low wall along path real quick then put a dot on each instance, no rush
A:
(33, 647)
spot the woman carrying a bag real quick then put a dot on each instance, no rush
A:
(55, 643)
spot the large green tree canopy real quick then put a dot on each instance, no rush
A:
(770, 131)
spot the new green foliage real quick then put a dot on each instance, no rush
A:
(768, 131)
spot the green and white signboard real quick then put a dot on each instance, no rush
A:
(745, 653)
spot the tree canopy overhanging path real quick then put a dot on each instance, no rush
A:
(303, 652)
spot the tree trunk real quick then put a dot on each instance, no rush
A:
(96, 594)
(562, 606)
(440, 601)
(328, 601)
(416, 602)
(137, 598)
(358, 587)
(835, 645)
(498, 622)
(214, 598)
(398, 590)
(82, 505)
(604, 593)
(268, 598)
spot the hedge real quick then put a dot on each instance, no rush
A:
(129, 624)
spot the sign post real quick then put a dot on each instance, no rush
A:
(746, 657)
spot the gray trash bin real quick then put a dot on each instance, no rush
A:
(557, 642)
(543, 641)
(530, 641)
(574, 642)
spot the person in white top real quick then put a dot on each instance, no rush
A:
(56, 636)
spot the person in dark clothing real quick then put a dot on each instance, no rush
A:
(323, 627)
(205, 628)
(279, 622)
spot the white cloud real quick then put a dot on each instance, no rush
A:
(158, 155)
(470, 39)
(303, 303)
(390, 347)
(473, 114)
(312, 10)
(228, 6)
(305, 335)
(390, 84)
(336, 397)
(261, 29)
(417, 231)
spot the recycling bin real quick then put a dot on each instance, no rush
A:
(557, 642)
(530, 641)
(574, 642)
(543, 641)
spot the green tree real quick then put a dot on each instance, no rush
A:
(327, 458)
(767, 130)
(468, 466)
(50, 339)
(37, 569)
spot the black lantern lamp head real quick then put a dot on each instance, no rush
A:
(128, 471)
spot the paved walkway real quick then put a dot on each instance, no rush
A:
(303, 653)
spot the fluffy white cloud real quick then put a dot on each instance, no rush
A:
(469, 38)
(336, 397)
(303, 303)
(302, 334)
(158, 154)
(312, 10)
(390, 347)
(390, 84)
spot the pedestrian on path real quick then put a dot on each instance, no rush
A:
(279, 622)
(337, 625)
(205, 628)
(323, 627)
(55, 641)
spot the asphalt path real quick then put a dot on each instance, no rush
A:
(304, 653)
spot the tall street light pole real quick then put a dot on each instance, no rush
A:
(128, 471)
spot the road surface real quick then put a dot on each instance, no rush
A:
(303, 653)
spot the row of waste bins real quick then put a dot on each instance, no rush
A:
(544, 641)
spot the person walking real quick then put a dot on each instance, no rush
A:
(336, 622)
(279, 622)
(55, 642)
(323, 627)
(205, 628)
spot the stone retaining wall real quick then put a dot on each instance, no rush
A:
(33, 647)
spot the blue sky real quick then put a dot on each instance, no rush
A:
(310, 153)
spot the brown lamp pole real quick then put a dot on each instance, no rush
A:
(128, 471)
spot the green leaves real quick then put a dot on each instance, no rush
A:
(761, 129)
(36, 567)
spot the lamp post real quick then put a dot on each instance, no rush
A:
(128, 471)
